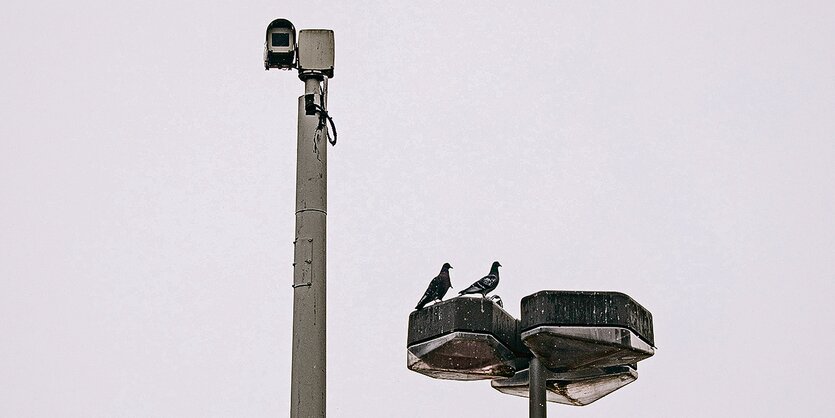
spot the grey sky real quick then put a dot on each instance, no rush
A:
(681, 153)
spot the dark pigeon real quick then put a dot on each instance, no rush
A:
(486, 284)
(437, 287)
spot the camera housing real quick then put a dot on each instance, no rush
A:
(280, 45)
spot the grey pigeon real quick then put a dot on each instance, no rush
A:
(486, 284)
(437, 287)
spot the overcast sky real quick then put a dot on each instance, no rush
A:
(681, 153)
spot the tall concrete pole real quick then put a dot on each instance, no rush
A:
(307, 392)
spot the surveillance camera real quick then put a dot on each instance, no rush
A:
(280, 45)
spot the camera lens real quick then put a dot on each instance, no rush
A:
(280, 39)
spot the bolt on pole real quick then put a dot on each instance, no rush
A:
(308, 376)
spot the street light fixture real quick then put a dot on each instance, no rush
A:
(569, 347)
(465, 339)
(574, 387)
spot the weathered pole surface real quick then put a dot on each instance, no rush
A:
(536, 387)
(307, 392)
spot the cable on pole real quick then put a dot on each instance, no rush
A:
(324, 120)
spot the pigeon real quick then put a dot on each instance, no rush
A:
(497, 300)
(437, 287)
(486, 284)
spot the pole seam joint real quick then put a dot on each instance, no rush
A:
(311, 210)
